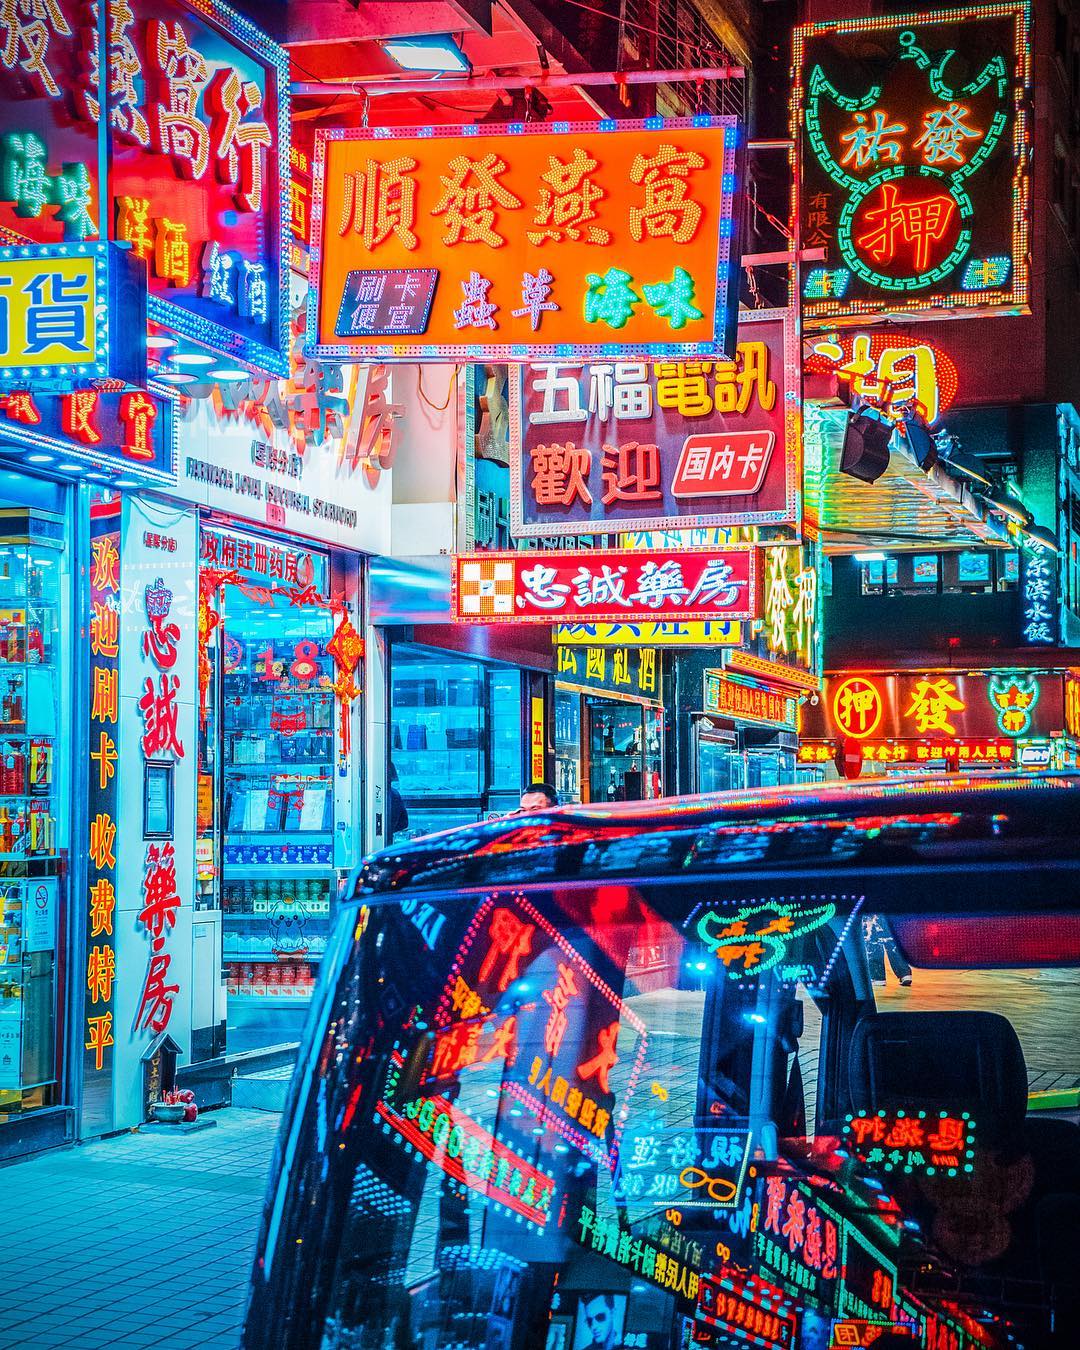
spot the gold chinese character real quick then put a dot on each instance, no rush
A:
(381, 201)
(667, 212)
(469, 206)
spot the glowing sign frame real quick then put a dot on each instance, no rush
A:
(828, 296)
(529, 255)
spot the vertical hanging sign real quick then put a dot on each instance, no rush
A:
(102, 795)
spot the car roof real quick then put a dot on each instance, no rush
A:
(987, 839)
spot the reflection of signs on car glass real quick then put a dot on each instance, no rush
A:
(756, 938)
(687, 1168)
(522, 997)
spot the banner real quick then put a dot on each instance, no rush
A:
(676, 444)
(588, 238)
(578, 587)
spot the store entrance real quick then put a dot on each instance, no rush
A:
(266, 810)
(456, 739)
(625, 750)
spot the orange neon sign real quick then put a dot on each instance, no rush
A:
(857, 707)
(435, 242)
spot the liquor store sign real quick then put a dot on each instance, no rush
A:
(492, 243)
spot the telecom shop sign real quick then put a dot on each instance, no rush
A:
(70, 313)
(198, 130)
(479, 243)
(912, 139)
(633, 445)
(605, 585)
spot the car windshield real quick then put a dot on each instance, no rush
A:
(617, 1116)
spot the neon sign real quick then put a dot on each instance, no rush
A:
(797, 1237)
(198, 128)
(912, 1141)
(888, 370)
(1038, 597)
(686, 1169)
(917, 181)
(857, 707)
(755, 938)
(1014, 698)
(731, 1312)
(606, 238)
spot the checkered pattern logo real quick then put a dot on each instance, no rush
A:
(486, 589)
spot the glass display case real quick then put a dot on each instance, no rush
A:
(34, 791)
(268, 768)
(456, 739)
(625, 753)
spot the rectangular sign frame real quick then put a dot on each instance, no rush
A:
(322, 341)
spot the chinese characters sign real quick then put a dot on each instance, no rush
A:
(687, 1169)
(638, 446)
(571, 1056)
(912, 1141)
(913, 163)
(653, 633)
(967, 752)
(593, 238)
(888, 370)
(757, 938)
(615, 585)
(748, 701)
(70, 312)
(937, 707)
(631, 671)
(102, 799)
(199, 145)
(797, 1238)
(730, 1314)
(1038, 597)
(129, 433)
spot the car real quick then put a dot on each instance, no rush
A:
(792, 1069)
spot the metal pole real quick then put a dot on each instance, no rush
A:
(559, 80)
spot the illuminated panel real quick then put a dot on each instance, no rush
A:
(199, 157)
(131, 433)
(733, 1310)
(482, 243)
(521, 995)
(912, 1141)
(914, 181)
(672, 444)
(868, 1282)
(888, 369)
(635, 587)
(797, 1238)
(756, 938)
(465, 1151)
(686, 1169)
(747, 700)
(859, 1332)
(54, 312)
(658, 633)
(965, 750)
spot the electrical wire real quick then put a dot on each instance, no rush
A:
(436, 407)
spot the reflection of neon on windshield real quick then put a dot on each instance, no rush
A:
(465, 1151)
(756, 937)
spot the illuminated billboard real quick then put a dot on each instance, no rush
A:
(911, 143)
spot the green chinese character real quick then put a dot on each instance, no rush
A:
(610, 298)
(672, 300)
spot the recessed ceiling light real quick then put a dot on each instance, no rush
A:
(70, 468)
(125, 482)
(229, 373)
(158, 342)
(192, 359)
(174, 376)
(40, 458)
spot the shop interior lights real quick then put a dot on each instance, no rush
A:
(436, 52)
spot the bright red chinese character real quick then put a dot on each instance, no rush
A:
(240, 147)
(160, 715)
(919, 222)
(794, 1228)
(155, 1007)
(631, 473)
(138, 412)
(560, 473)
(510, 937)
(559, 1000)
(160, 900)
(79, 409)
(99, 1037)
(605, 1059)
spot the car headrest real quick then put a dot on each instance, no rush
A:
(952, 1061)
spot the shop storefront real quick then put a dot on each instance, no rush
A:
(609, 723)
(36, 654)
(879, 723)
(743, 734)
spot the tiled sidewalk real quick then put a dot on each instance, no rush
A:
(136, 1241)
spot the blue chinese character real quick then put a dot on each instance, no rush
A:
(254, 294)
(24, 180)
(75, 193)
(59, 320)
(218, 270)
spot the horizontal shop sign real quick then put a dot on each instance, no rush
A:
(936, 705)
(748, 700)
(608, 585)
(630, 671)
(605, 238)
(672, 444)
(966, 749)
(652, 633)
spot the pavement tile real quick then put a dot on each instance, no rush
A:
(88, 1268)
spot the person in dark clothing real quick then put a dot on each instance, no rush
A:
(399, 816)
(880, 944)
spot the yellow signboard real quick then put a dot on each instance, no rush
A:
(669, 633)
(52, 311)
